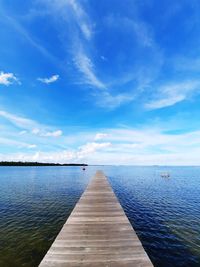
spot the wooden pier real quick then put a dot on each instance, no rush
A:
(97, 233)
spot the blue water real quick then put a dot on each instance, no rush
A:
(165, 212)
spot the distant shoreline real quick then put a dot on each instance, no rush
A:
(19, 163)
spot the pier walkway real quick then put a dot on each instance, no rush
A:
(97, 233)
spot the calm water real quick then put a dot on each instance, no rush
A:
(165, 212)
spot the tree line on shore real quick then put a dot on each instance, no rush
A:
(20, 163)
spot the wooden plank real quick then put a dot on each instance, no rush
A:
(97, 233)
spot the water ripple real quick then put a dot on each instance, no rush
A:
(165, 212)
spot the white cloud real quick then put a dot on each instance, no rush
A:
(169, 100)
(18, 121)
(8, 78)
(36, 131)
(109, 101)
(149, 145)
(140, 29)
(29, 125)
(19, 144)
(86, 67)
(52, 134)
(124, 146)
(71, 11)
(31, 146)
(63, 156)
(22, 132)
(43, 133)
(75, 22)
(73, 16)
(104, 158)
(52, 79)
(91, 148)
(103, 58)
(169, 95)
(100, 136)
(82, 18)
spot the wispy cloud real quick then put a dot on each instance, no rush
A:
(90, 148)
(100, 136)
(43, 133)
(51, 79)
(110, 101)
(72, 11)
(86, 67)
(31, 146)
(8, 78)
(22, 132)
(18, 121)
(141, 31)
(29, 38)
(53, 133)
(76, 21)
(169, 95)
(28, 125)
(19, 144)
(169, 100)
(82, 18)
(71, 14)
(186, 64)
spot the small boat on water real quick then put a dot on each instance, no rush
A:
(83, 168)
(165, 174)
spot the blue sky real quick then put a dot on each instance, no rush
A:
(102, 82)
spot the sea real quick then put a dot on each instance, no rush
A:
(164, 210)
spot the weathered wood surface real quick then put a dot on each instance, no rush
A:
(97, 233)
